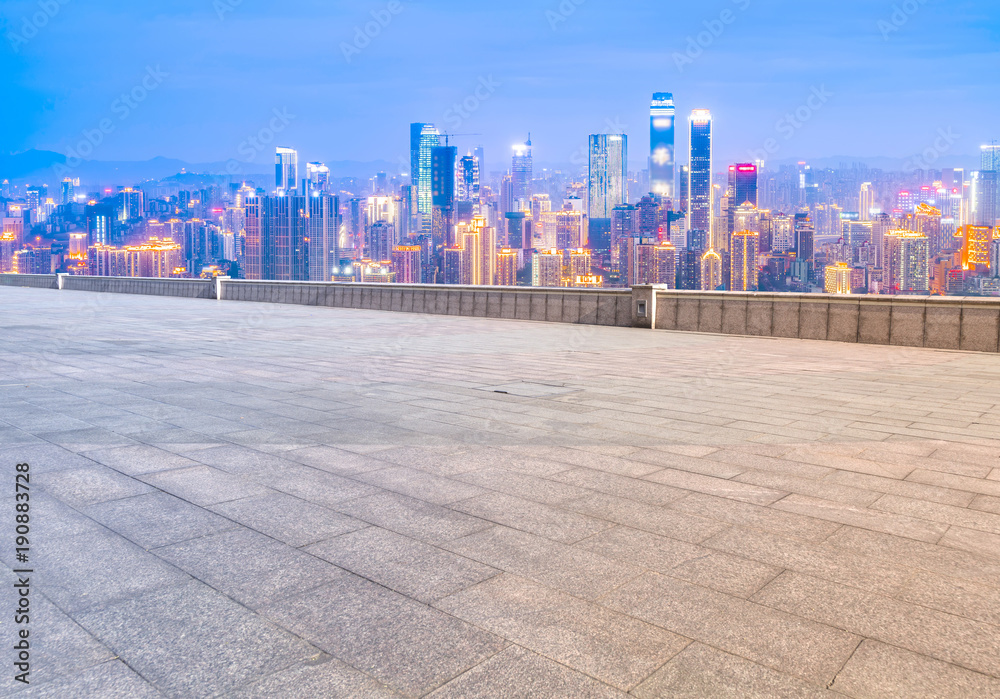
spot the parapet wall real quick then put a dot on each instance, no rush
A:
(36, 281)
(188, 288)
(584, 306)
(954, 323)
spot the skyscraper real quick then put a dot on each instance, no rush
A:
(608, 184)
(906, 262)
(277, 230)
(423, 137)
(661, 144)
(324, 229)
(521, 170)
(984, 189)
(743, 180)
(700, 174)
(443, 194)
(743, 261)
(286, 169)
(866, 201)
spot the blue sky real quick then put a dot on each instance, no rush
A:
(894, 74)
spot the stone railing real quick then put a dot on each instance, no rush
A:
(942, 322)
(954, 323)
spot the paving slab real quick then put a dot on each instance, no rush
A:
(284, 506)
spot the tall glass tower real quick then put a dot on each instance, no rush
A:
(608, 186)
(661, 144)
(700, 173)
(423, 137)
(286, 169)
(521, 170)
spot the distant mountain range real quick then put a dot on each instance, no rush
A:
(48, 167)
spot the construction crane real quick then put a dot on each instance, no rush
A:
(447, 135)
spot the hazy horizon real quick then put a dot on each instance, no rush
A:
(197, 80)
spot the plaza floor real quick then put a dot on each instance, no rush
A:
(255, 500)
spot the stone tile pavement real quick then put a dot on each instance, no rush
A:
(255, 500)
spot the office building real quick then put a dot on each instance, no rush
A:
(661, 145)
(976, 242)
(743, 261)
(984, 197)
(507, 266)
(546, 268)
(711, 271)
(837, 278)
(277, 238)
(323, 232)
(286, 169)
(608, 168)
(406, 264)
(521, 171)
(700, 175)
(866, 201)
(906, 264)
(423, 138)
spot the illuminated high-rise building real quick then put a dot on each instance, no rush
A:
(323, 211)
(976, 242)
(684, 186)
(984, 197)
(286, 169)
(742, 184)
(69, 186)
(866, 201)
(423, 137)
(805, 238)
(522, 171)
(277, 231)
(381, 241)
(406, 264)
(700, 174)
(608, 167)
(661, 145)
(743, 249)
(468, 179)
(507, 264)
(566, 229)
(546, 268)
(906, 263)
(711, 270)
(990, 157)
(656, 264)
(318, 178)
(837, 278)
(443, 193)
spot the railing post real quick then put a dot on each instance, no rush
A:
(218, 287)
(60, 277)
(644, 306)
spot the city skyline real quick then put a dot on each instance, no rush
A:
(332, 100)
